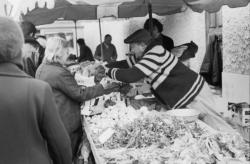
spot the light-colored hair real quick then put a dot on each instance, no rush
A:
(55, 50)
(11, 39)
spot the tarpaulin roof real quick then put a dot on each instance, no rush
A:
(93, 9)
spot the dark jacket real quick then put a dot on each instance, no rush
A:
(85, 54)
(211, 68)
(28, 120)
(68, 97)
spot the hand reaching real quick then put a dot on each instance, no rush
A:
(125, 88)
(111, 87)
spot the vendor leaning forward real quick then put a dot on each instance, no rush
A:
(172, 83)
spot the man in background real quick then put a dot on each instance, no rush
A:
(108, 49)
(158, 37)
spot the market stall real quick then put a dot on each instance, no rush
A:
(119, 133)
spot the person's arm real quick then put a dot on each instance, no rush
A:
(129, 75)
(97, 55)
(54, 131)
(128, 63)
(118, 64)
(144, 68)
(68, 85)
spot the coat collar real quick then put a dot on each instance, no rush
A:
(10, 69)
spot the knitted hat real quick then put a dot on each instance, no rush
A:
(11, 41)
(139, 36)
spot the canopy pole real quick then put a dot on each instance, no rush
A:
(150, 18)
(100, 31)
(76, 38)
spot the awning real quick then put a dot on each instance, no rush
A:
(93, 9)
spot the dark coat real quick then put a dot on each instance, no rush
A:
(85, 54)
(29, 119)
(68, 97)
(211, 68)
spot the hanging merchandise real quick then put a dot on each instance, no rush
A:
(211, 68)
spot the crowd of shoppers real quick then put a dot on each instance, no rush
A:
(30, 126)
(40, 99)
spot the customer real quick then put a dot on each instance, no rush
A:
(30, 49)
(171, 82)
(108, 50)
(30, 125)
(157, 35)
(85, 52)
(67, 93)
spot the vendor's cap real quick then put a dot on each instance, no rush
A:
(138, 36)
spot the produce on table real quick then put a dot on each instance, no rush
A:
(113, 115)
(108, 103)
(148, 137)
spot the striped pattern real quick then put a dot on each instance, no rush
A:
(172, 83)
(194, 90)
(131, 61)
(157, 66)
(112, 73)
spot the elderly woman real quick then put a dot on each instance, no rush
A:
(28, 115)
(68, 94)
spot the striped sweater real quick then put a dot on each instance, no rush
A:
(172, 83)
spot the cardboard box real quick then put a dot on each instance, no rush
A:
(240, 113)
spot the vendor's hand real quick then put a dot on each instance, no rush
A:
(125, 88)
(111, 87)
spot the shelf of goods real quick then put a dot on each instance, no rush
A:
(122, 135)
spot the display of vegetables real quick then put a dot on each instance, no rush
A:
(147, 131)
(144, 137)
(119, 114)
